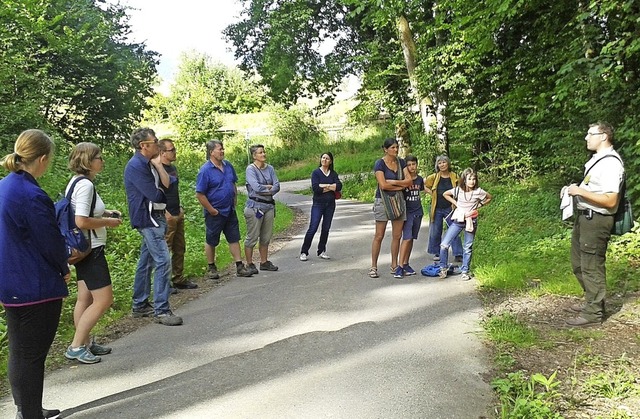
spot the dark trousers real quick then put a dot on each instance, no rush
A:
(31, 331)
(589, 242)
(319, 211)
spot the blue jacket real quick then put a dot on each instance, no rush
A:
(33, 255)
(142, 191)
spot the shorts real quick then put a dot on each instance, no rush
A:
(94, 270)
(258, 228)
(412, 225)
(221, 224)
(379, 213)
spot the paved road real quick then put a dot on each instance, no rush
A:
(317, 339)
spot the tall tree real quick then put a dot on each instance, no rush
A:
(69, 64)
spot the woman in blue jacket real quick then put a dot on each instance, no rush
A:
(325, 183)
(33, 262)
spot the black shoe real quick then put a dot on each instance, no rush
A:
(188, 285)
(251, 267)
(241, 270)
(46, 413)
(268, 266)
(145, 311)
(172, 291)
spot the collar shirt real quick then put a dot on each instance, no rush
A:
(605, 176)
(218, 185)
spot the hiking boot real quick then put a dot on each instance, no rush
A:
(399, 272)
(213, 272)
(168, 319)
(81, 354)
(582, 322)
(99, 349)
(242, 270)
(187, 285)
(408, 270)
(268, 266)
(304, 257)
(324, 255)
(251, 267)
(145, 311)
(443, 272)
(575, 308)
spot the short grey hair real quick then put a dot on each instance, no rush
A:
(442, 158)
(211, 145)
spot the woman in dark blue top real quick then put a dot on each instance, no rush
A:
(325, 183)
(33, 262)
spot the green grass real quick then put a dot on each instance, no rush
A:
(505, 329)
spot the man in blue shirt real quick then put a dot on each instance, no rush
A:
(145, 180)
(216, 191)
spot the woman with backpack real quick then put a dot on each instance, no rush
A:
(33, 262)
(95, 293)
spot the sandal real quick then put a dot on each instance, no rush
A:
(373, 273)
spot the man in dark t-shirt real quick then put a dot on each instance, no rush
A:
(175, 218)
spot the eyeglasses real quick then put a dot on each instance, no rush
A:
(150, 142)
(591, 134)
(170, 150)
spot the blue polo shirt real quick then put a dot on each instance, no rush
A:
(219, 186)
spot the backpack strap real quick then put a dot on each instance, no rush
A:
(93, 200)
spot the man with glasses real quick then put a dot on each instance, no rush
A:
(145, 181)
(596, 201)
(217, 193)
(175, 218)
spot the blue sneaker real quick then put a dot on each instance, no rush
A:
(82, 354)
(408, 270)
(399, 272)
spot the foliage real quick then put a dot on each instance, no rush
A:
(522, 397)
(69, 65)
(295, 127)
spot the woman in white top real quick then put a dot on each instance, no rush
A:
(95, 293)
(470, 198)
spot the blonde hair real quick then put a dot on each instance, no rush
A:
(30, 145)
(82, 156)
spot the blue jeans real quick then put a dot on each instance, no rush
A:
(324, 211)
(154, 253)
(435, 233)
(452, 232)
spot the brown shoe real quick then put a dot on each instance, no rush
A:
(575, 308)
(582, 322)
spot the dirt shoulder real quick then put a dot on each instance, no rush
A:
(597, 368)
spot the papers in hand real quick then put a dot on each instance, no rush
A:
(566, 203)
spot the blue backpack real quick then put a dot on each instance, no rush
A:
(78, 246)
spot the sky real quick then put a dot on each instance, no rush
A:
(171, 27)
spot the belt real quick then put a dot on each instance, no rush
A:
(263, 201)
(590, 213)
(157, 212)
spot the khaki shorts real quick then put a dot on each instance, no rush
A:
(379, 213)
(258, 228)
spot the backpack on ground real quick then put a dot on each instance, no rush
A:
(434, 270)
(78, 246)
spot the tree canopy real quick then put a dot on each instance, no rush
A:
(68, 65)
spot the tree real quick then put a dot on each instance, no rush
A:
(204, 89)
(68, 64)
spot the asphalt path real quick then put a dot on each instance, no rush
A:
(317, 339)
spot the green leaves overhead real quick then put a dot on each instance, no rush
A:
(69, 65)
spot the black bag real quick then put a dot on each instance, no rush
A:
(78, 246)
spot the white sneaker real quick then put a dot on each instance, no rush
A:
(324, 255)
(303, 257)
